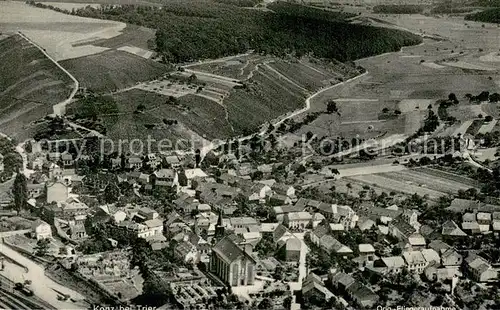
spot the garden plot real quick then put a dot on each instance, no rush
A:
(463, 128)
(167, 88)
(488, 127)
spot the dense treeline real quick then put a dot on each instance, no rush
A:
(398, 9)
(487, 3)
(488, 16)
(241, 3)
(450, 9)
(192, 30)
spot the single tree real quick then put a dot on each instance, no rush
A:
(42, 247)
(331, 107)
(20, 191)
(111, 193)
(453, 98)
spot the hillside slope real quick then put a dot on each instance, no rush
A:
(113, 70)
(193, 29)
(487, 16)
(30, 84)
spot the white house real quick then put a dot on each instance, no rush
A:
(297, 220)
(41, 230)
(415, 261)
(394, 264)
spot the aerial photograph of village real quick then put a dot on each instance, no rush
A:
(250, 154)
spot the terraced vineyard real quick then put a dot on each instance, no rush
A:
(30, 84)
(266, 97)
(308, 76)
(113, 70)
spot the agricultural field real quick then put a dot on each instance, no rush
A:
(30, 84)
(132, 36)
(305, 75)
(402, 81)
(195, 116)
(57, 32)
(423, 181)
(266, 97)
(113, 70)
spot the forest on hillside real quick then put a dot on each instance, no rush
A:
(487, 16)
(192, 29)
(398, 9)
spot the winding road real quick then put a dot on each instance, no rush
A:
(214, 145)
(59, 108)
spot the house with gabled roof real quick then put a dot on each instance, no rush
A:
(479, 269)
(257, 192)
(313, 287)
(392, 264)
(321, 230)
(362, 295)
(451, 258)
(232, 264)
(415, 261)
(400, 229)
(451, 229)
(332, 245)
(297, 220)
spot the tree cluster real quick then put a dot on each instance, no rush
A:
(398, 9)
(486, 16)
(188, 31)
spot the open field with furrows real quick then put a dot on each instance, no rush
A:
(449, 176)
(30, 84)
(113, 70)
(423, 181)
(266, 97)
(389, 184)
(305, 75)
(195, 116)
(57, 32)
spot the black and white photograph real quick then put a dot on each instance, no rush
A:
(250, 154)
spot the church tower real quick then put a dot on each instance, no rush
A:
(219, 229)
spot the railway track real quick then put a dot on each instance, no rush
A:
(12, 302)
(12, 299)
